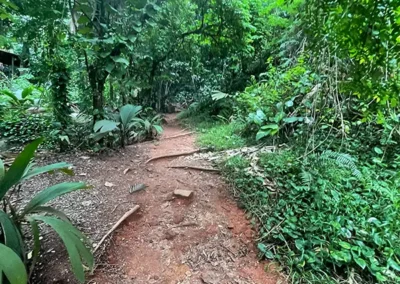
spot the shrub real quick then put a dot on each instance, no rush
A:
(14, 219)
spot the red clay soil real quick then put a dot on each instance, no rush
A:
(203, 239)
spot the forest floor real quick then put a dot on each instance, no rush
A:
(202, 239)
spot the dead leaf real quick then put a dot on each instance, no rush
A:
(137, 187)
(127, 170)
(109, 184)
(82, 174)
(85, 157)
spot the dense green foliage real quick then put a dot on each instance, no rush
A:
(319, 80)
(13, 219)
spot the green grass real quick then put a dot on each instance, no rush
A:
(222, 137)
(216, 134)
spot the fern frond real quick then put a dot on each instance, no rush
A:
(342, 160)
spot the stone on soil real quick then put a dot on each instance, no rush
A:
(183, 193)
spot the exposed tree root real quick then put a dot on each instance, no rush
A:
(176, 136)
(122, 219)
(174, 155)
(195, 168)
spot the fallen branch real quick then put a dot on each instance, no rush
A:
(122, 219)
(176, 136)
(195, 168)
(173, 155)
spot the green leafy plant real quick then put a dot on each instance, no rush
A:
(19, 98)
(321, 219)
(20, 127)
(148, 128)
(124, 123)
(15, 220)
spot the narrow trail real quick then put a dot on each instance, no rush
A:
(202, 239)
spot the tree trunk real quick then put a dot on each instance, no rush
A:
(97, 79)
(111, 90)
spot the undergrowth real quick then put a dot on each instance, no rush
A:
(330, 219)
(326, 217)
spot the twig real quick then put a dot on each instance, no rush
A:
(173, 155)
(116, 206)
(195, 168)
(185, 225)
(176, 136)
(270, 231)
(122, 219)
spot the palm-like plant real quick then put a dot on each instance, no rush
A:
(148, 128)
(123, 122)
(13, 255)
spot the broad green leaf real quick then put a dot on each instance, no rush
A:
(27, 91)
(11, 234)
(361, 262)
(291, 119)
(393, 264)
(85, 30)
(109, 40)
(2, 170)
(158, 128)
(99, 135)
(132, 38)
(52, 192)
(380, 277)
(50, 168)
(105, 126)
(11, 96)
(12, 266)
(345, 245)
(104, 55)
(17, 169)
(120, 59)
(83, 20)
(51, 211)
(378, 151)
(262, 247)
(270, 126)
(289, 103)
(36, 243)
(261, 134)
(260, 114)
(110, 67)
(137, 29)
(127, 113)
(74, 243)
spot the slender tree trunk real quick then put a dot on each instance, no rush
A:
(97, 82)
(111, 89)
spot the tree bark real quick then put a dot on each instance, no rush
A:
(97, 78)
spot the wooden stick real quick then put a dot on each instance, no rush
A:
(185, 225)
(173, 155)
(176, 136)
(122, 219)
(195, 168)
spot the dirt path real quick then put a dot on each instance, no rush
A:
(204, 239)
